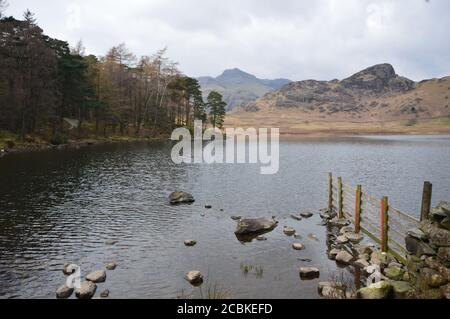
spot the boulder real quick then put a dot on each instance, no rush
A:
(333, 253)
(332, 290)
(394, 273)
(309, 272)
(289, 231)
(379, 290)
(444, 255)
(353, 237)
(97, 276)
(181, 198)
(69, 269)
(363, 249)
(190, 243)
(306, 214)
(344, 257)
(433, 278)
(295, 217)
(440, 212)
(401, 289)
(194, 277)
(446, 291)
(86, 291)
(111, 266)
(445, 223)
(104, 293)
(298, 246)
(342, 240)
(438, 236)
(346, 229)
(417, 233)
(337, 222)
(64, 292)
(417, 247)
(255, 226)
(325, 215)
(361, 263)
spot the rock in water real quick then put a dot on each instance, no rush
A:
(111, 266)
(181, 198)
(69, 269)
(354, 238)
(190, 243)
(97, 276)
(194, 277)
(298, 246)
(344, 257)
(64, 292)
(255, 226)
(289, 231)
(306, 214)
(208, 206)
(309, 273)
(297, 218)
(86, 291)
(104, 293)
(379, 290)
(236, 218)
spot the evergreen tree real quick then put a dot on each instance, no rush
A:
(216, 107)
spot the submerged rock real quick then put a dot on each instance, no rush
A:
(289, 231)
(309, 272)
(298, 246)
(104, 293)
(111, 266)
(379, 290)
(194, 277)
(64, 292)
(306, 214)
(261, 238)
(181, 198)
(208, 206)
(86, 291)
(297, 218)
(236, 218)
(97, 276)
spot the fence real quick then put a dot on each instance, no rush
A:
(376, 218)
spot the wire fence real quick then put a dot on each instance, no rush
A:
(383, 223)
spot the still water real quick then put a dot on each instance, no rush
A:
(64, 206)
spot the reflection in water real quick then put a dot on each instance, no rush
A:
(65, 206)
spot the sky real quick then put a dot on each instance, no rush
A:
(295, 39)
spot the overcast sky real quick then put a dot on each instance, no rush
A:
(296, 39)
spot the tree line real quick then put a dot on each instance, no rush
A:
(46, 86)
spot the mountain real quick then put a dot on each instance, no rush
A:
(238, 87)
(375, 95)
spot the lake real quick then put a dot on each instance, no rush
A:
(65, 206)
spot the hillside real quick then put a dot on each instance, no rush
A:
(238, 87)
(375, 95)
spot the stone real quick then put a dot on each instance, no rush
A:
(97, 276)
(417, 247)
(346, 229)
(255, 226)
(298, 246)
(433, 278)
(363, 249)
(432, 262)
(194, 277)
(342, 240)
(309, 272)
(64, 292)
(337, 222)
(313, 237)
(295, 217)
(438, 236)
(111, 242)
(177, 198)
(361, 263)
(69, 269)
(379, 290)
(208, 206)
(344, 257)
(325, 215)
(261, 238)
(401, 289)
(190, 243)
(104, 293)
(445, 223)
(332, 290)
(333, 253)
(236, 218)
(306, 214)
(353, 237)
(432, 294)
(446, 291)
(418, 234)
(289, 231)
(394, 273)
(440, 212)
(86, 291)
(111, 266)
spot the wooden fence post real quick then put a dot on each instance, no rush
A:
(426, 201)
(340, 199)
(384, 224)
(330, 192)
(358, 209)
